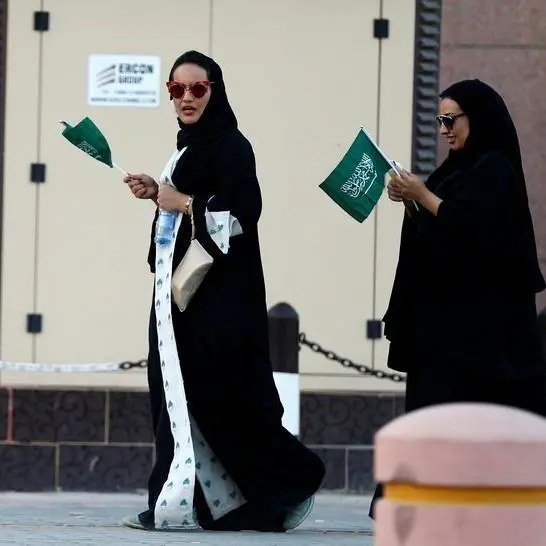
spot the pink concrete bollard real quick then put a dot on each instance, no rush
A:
(462, 475)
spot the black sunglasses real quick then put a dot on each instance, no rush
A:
(448, 120)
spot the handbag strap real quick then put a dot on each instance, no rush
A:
(192, 227)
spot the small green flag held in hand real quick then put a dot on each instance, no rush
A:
(356, 184)
(87, 137)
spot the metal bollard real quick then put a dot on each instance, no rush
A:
(462, 475)
(284, 347)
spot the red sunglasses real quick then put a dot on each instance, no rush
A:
(198, 89)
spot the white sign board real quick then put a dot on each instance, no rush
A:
(123, 80)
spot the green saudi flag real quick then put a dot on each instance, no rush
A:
(356, 184)
(86, 136)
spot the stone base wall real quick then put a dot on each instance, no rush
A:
(101, 440)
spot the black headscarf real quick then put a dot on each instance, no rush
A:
(218, 117)
(492, 128)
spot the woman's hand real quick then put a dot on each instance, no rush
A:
(409, 187)
(169, 199)
(394, 191)
(142, 186)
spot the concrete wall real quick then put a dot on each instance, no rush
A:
(302, 77)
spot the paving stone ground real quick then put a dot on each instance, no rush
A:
(43, 519)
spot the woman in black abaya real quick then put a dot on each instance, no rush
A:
(245, 471)
(462, 318)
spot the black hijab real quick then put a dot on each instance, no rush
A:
(492, 128)
(218, 117)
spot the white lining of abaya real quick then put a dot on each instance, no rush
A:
(193, 458)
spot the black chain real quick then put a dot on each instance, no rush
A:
(127, 365)
(348, 363)
(316, 348)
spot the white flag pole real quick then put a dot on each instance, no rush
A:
(119, 169)
(389, 161)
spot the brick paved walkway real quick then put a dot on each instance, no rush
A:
(86, 519)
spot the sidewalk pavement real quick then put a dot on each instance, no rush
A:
(41, 519)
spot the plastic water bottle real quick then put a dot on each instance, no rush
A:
(164, 228)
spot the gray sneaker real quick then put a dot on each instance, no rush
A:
(133, 522)
(297, 516)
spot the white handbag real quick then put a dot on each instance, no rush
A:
(190, 272)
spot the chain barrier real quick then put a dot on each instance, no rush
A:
(348, 363)
(127, 365)
(71, 368)
(142, 364)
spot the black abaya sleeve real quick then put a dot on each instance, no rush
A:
(480, 202)
(237, 190)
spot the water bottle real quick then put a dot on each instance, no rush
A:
(164, 228)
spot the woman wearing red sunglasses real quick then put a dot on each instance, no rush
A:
(224, 461)
(462, 319)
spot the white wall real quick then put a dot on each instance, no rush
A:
(302, 77)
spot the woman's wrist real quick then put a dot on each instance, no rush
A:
(186, 204)
(430, 201)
